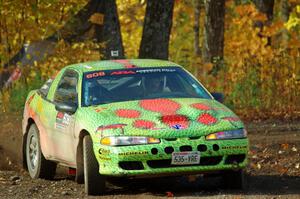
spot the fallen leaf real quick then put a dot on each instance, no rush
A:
(258, 166)
(294, 149)
(285, 146)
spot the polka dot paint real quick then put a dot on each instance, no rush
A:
(163, 106)
(207, 119)
(127, 113)
(143, 124)
(176, 121)
(201, 106)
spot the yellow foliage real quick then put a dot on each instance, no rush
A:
(257, 70)
(131, 16)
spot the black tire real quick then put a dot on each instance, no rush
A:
(79, 177)
(94, 183)
(37, 165)
(234, 179)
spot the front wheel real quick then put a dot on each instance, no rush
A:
(38, 166)
(94, 182)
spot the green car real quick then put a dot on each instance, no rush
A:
(130, 118)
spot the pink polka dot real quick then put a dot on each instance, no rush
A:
(176, 121)
(126, 113)
(163, 106)
(201, 106)
(207, 119)
(143, 124)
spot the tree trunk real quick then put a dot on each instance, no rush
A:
(265, 7)
(214, 30)
(109, 32)
(197, 27)
(157, 29)
(285, 14)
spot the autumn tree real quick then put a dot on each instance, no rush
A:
(157, 29)
(266, 7)
(213, 42)
(285, 14)
(197, 9)
(97, 20)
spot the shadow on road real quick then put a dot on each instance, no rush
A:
(183, 186)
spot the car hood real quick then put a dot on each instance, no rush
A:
(162, 118)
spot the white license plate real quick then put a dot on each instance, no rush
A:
(185, 158)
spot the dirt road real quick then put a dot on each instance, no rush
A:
(273, 172)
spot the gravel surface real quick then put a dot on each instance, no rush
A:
(273, 171)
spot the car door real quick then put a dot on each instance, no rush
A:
(61, 124)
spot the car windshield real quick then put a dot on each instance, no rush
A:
(102, 87)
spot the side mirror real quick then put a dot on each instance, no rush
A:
(218, 96)
(62, 107)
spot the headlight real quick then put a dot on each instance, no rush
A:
(128, 140)
(238, 133)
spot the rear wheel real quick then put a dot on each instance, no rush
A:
(37, 165)
(234, 179)
(94, 183)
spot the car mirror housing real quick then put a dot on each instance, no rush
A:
(218, 96)
(68, 108)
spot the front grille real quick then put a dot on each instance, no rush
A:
(202, 147)
(210, 161)
(194, 138)
(233, 159)
(204, 161)
(131, 165)
(170, 139)
(185, 148)
(169, 150)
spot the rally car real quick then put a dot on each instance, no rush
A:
(132, 118)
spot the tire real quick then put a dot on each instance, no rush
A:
(234, 179)
(94, 183)
(79, 177)
(37, 165)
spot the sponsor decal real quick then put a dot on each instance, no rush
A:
(234, 147)
(130, 71)
(155, 70)
(95, 74)
(104, 158)
(123, 72)
(133, 153)
(177, 126)
(62, 120)
(103, 151)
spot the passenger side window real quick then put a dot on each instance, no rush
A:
(66, 91)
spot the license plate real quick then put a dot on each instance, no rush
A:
(185, 158)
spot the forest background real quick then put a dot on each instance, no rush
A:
(254, 58)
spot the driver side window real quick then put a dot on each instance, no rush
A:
(66, 91)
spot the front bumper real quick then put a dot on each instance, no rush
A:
(155, 159)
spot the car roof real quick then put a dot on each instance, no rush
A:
(121, 64)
